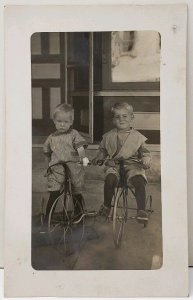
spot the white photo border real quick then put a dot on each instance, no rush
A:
(20, 278)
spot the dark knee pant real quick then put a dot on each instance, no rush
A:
(138, 183)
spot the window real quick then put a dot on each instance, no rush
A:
(77, 68)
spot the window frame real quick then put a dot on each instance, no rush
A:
(107, 89)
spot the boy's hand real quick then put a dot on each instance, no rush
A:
(146, 162)
(85, 161)
(47, 172)
(95, 161)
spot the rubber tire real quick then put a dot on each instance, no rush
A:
(119, 216)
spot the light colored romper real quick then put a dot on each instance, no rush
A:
(127, 145)
(63, 147)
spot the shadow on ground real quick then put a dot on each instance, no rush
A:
(141, 248)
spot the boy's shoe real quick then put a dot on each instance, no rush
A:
(44, 225)
(104, 211)
(44, 229)
(142, 216)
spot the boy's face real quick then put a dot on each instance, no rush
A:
(63, 121)
(122, 119)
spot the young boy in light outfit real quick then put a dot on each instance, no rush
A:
(65, 144)
(126, 143)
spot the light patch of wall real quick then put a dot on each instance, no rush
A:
(54, 43)
(37, 103)
(55, 99)
(45, 71)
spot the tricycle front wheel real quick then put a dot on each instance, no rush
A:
(119, 216)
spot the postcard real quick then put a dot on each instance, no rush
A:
(96, 107)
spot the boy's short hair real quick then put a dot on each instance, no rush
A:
(120, 105)
(64, 107)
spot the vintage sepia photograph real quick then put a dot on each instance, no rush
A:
(96, 174)
(94, 161)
